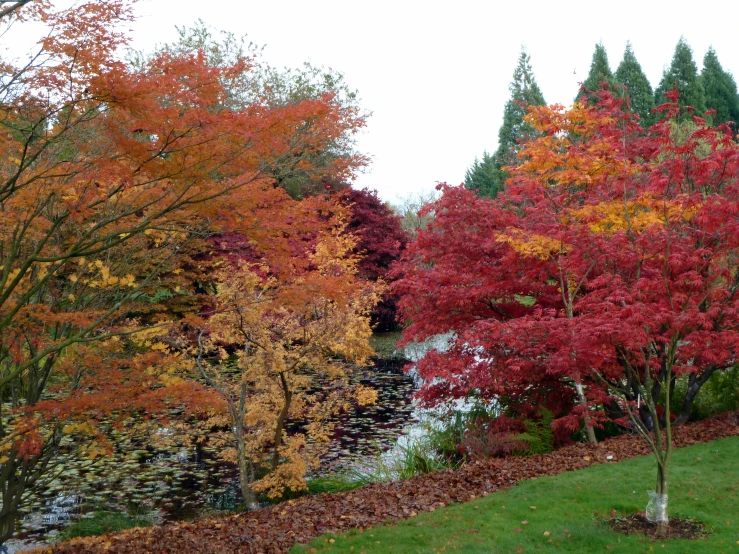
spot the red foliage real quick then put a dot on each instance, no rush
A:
(381, 241)
(495, 438)
(381, 237)
(611, 255)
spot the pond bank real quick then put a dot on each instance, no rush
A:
(277, 529)
(174, 483)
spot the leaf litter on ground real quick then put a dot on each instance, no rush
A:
(278, 528)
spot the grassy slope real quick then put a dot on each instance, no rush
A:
(568, 512)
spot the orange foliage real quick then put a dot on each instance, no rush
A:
(111, 178)
(291, 335)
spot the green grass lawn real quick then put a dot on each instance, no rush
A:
(569, 512)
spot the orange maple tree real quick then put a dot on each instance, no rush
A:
(113, 175)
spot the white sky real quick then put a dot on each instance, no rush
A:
(436, 75)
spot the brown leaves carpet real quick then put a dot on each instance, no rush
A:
(276, 529)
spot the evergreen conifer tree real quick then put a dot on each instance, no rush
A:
(487, 176)
(524, 92)
(720, 89)
(484, 177)
(630, 75)
(600, 71)
(683, 74)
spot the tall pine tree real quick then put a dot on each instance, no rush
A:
(683, 75)
(720, 89)
(512, 133)
(600, 71)
(639, 91)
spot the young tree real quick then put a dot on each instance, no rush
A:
(720, 89)
(682, 75)
(600, 72)
(111, 175)
(638, 90)
(601, 275)
(292, 328)
(484, 176)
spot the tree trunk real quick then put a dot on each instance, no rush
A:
(281, 421)
(246, 477)
(661, 489)
(12, 491)
(588, 423)
(694, 386)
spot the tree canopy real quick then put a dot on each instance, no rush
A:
(487, 176)
(682, 75)
(484, 176)
(720, 89)
(600, 72)
(115, 177)
(641, 97)
(593, 282)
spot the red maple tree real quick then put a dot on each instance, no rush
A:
(606, 271)
(381, 241)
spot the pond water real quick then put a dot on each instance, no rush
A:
(176, 483)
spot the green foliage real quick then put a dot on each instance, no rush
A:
(639, 91)
(384, 345)
(539, 435)
(418, 458)
(720, 89)
(158, 296)
(600, 71)
(524, 92)
(447, 439)
(106, 522)
(569, 512)
(338, 482)
(484, 177)
(719, 394)
(683, 75)
(487, 177)
(465, 434)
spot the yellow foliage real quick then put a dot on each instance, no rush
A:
(293, 338)
(536, 246)
(80, 427)
(561, 156)
(634, 215)
(366, 396)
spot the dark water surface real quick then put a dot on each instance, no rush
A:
(182, 483)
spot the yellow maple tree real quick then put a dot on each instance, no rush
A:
(280, 349)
